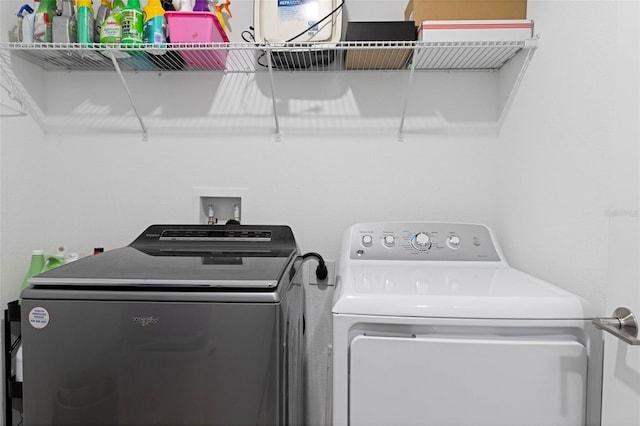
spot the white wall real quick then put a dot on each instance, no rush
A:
(558, 150)
(543, 183)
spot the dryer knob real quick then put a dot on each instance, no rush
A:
(454, 242)
(421, 241)
(389, 240)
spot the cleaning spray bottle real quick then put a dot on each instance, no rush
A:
(103, 11)
(39, 264)
(65, 26)
(219, 7)
(111, 29)
(155, 24)
(86, 21)
(42, 21)
(183, 5)
(25, 24)
(201, 6)
(132, 23)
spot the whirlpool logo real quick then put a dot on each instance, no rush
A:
(145, 321)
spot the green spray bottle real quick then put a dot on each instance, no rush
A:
(111, 30)
(103, 11)
(40, 263)
(132, 23)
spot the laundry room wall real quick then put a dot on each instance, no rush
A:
(543, 183)
(569, 152)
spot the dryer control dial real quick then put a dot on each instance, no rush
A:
(421, 241)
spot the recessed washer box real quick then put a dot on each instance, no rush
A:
(227, 204)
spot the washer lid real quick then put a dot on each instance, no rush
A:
(467, 291)
(131, 267)
(178, 257)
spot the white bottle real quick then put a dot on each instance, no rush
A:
(236, 212)
(183, 5)
(27, 24)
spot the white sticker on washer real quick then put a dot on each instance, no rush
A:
(39, 317)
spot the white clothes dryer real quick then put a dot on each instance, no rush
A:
(432, 327)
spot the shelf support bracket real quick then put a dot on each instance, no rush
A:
(11, 90)
(19, 112)
(530, 48)
(145, 133)
(407, 93)
(273, 94)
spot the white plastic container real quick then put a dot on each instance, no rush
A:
(299, 21)
(282, 20)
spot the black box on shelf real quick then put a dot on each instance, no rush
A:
(363, 58)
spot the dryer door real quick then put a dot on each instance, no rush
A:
(467, 381)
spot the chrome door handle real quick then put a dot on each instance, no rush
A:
(623, 325)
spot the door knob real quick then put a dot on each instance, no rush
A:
(622, 324)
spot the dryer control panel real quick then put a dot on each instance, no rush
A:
(422, 241)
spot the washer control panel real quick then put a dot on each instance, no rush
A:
(422, 241)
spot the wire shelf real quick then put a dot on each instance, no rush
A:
(251, 57)
(249, 60)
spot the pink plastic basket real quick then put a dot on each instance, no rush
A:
(198, 27)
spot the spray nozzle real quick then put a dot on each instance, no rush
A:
(220, 6)
(24, 8)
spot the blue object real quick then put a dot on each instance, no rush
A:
(24, 8)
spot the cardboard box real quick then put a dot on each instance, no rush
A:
(363, 58)
(501, 30)
(436, 10)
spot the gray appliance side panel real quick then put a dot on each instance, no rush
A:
(292, 330)
(141, 363)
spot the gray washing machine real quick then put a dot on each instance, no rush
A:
(188, 325)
